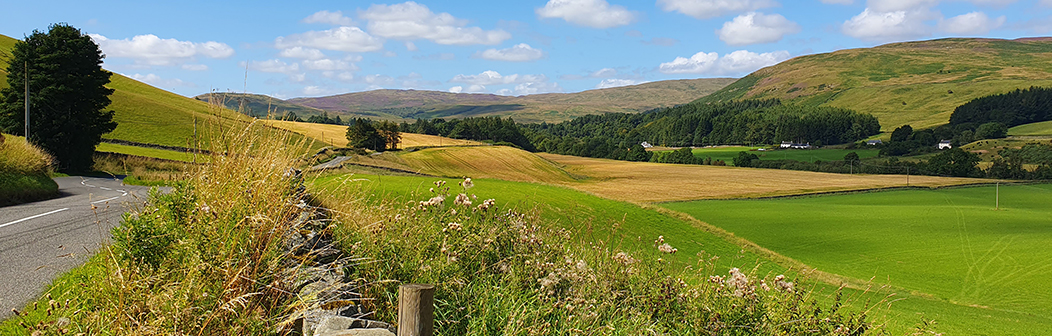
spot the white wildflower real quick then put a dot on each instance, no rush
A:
(462, 200)
(467, 184)
(667, 249)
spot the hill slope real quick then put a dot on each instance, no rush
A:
(551, 107)
(916, 83)
(150, 115)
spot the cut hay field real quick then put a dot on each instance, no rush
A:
(657, 182)
(949, 243)
(1043, 128)
(336, 135)
(728, 153)
(499, 162)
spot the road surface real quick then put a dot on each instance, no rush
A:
(40, 240)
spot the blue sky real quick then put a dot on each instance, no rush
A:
(504, 47)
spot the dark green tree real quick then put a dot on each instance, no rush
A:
(67, 95)
(991, 130)
(745, 159)
(851, 157)
(388, 130)
(955, 162)
(902, 133)
(362, 134)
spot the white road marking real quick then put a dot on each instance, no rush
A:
(108, 199)
(32, 217)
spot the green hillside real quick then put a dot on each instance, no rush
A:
(259, 106)
(6, 44)
(916, 83)
(150, 115)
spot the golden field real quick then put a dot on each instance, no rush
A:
(336, 135)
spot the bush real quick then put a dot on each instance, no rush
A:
(991, 130)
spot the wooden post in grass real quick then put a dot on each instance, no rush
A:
(416, 310)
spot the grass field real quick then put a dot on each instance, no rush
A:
(948, 243)
(336, 135)
(1043, 128)
(728, 153)
(149, 152)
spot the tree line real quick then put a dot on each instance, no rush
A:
(1022, 106)
(617, 135)
(495, 129)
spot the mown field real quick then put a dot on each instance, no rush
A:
(1043, 128)
(950, 243)
(336, 135)
(728, 153)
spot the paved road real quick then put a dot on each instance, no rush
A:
(40, 240)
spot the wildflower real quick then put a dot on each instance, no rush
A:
(739, 282)
(659, 241)
(764, 286)
(667, 248)
(487, 204)
(432, 190)
(437, 200)
(463, 200)
(440, 183)
(453, 226)
(550, 281)
(467, 184)
(624, 258)
(782, 284)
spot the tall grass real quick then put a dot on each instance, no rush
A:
(24, 171)
(141, 170)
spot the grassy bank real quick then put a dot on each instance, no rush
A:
(25, 172)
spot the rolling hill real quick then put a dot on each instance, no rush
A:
(259, 106)
(146, 114)
(916, 83)
(551, 107)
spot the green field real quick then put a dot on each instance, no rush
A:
(148, 152)
(637, 227)
(950, 244)
(727, 154)
(1043, 128)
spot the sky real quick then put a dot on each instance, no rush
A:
(519, 47)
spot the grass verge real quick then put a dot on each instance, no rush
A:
(25, 172)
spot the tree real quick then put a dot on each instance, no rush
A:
(955, 162)
(902, 133)
(851, 157)
(745, 159)
(388, 130)
(991, 130)
(67, 98)
(362, 134)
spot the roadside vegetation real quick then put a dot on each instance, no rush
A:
(25, 172)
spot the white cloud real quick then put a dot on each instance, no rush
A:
(314, 90)
(328, 65)
(521, 52)
(410, 21)
(410, 46)
(614, 82)
(490, 77)
(273, 65)
(536, 88)
(738, 62)
(603, 73)
(974, 23)
(350, 39)
(152, 50)
(334, 18)
(194, 67)
(707, 9)
(756, 28)
(157, 81)
(588, 13)
(301, 52)
(380, 80)
(885, 26)
(456, 89)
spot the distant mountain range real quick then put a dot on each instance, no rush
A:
(917, 83)
(550, 107)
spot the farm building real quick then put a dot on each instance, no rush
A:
(646, 144)
(801, 145)
(786, 144)
(945, 144)
(874, 142)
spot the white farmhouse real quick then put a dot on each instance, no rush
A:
(945, 144)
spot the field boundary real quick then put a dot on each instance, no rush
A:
(155, 146)
(855, 191)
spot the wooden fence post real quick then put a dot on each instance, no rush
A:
(416, 310)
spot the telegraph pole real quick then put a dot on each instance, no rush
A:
(26, 70)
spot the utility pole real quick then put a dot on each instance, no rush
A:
(26, 70)
(997, 196)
